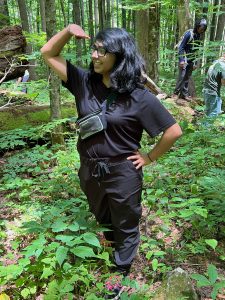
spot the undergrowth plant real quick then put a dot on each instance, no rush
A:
(59, 254)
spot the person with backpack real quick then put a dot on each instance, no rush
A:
(214, 80)
(113, 110)
(186, 50)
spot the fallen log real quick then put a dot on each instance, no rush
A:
(31, 115)
(10, 98)
(12, 45)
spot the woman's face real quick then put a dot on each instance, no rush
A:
(103, 61)
(201, 29)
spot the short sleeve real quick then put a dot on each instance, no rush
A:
(153, 116)
(75, 79)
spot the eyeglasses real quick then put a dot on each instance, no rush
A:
(101, 51)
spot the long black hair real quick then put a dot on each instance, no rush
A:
(127, 71)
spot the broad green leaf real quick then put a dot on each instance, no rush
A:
(201, 280)
(213, 274)
(159, 253)
(25, 293)
(61, 254)
(105, 257)
(47, 272)
(149, 254)
(201, 211)
(212, 243)
(83, 252)
(64, 238)
(186, 213)
(67, 266)
(47, 260)
(214, 292)
(91, 239)
(155, 264)
(59, 226)
(74, 227)
(66, 287)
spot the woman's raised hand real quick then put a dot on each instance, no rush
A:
(77, 31)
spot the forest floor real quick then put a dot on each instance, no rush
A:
(192, 265)
(150, 228)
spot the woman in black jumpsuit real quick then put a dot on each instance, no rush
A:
(111, 164)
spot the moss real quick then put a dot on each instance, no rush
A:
(30, 116)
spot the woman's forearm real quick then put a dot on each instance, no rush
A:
(166, 142)
(55, 45)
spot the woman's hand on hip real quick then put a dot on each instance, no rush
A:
(77, 31)
(139, 159)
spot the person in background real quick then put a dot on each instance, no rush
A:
(186, 51)
(24, 78)
(215, 78)
(110, 161)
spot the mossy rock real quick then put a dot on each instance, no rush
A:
(23, 116)
(177, 286)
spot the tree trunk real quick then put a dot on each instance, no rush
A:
(124, 25)
(42, 13)
(142, 21)
(25, 27)
(4, 13)
(77, 20)
(38, 18)
(90, 20)
(54, 84)
(221, 23)
(63, 13)
(183, 16)
(214, 22)
(83, 41)
(101, 14)
(153, 41)
(147, 33)
(12, 43)
(108, 14)
(96, 16)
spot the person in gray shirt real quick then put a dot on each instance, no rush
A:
(214, 80)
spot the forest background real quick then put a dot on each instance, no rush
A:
(50, 244)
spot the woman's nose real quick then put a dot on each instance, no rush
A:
(94, 54)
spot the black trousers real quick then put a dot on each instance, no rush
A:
(113, 189)
(183, 79)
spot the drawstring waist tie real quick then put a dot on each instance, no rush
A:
(100, 166)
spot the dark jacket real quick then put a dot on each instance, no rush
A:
(188, 47)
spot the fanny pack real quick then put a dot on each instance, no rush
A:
(95, 122)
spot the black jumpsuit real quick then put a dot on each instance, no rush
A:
(111, 183)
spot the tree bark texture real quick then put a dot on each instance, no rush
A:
(12, 44)
(221, 23)
(147, 33)
(183, 16)
(54, 84)
(26, 27)
(42, 13)
(77, 20)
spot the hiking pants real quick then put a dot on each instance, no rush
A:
(183, 79)
(113, 188)
(213, 105)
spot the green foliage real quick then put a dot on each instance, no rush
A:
(211, 279)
